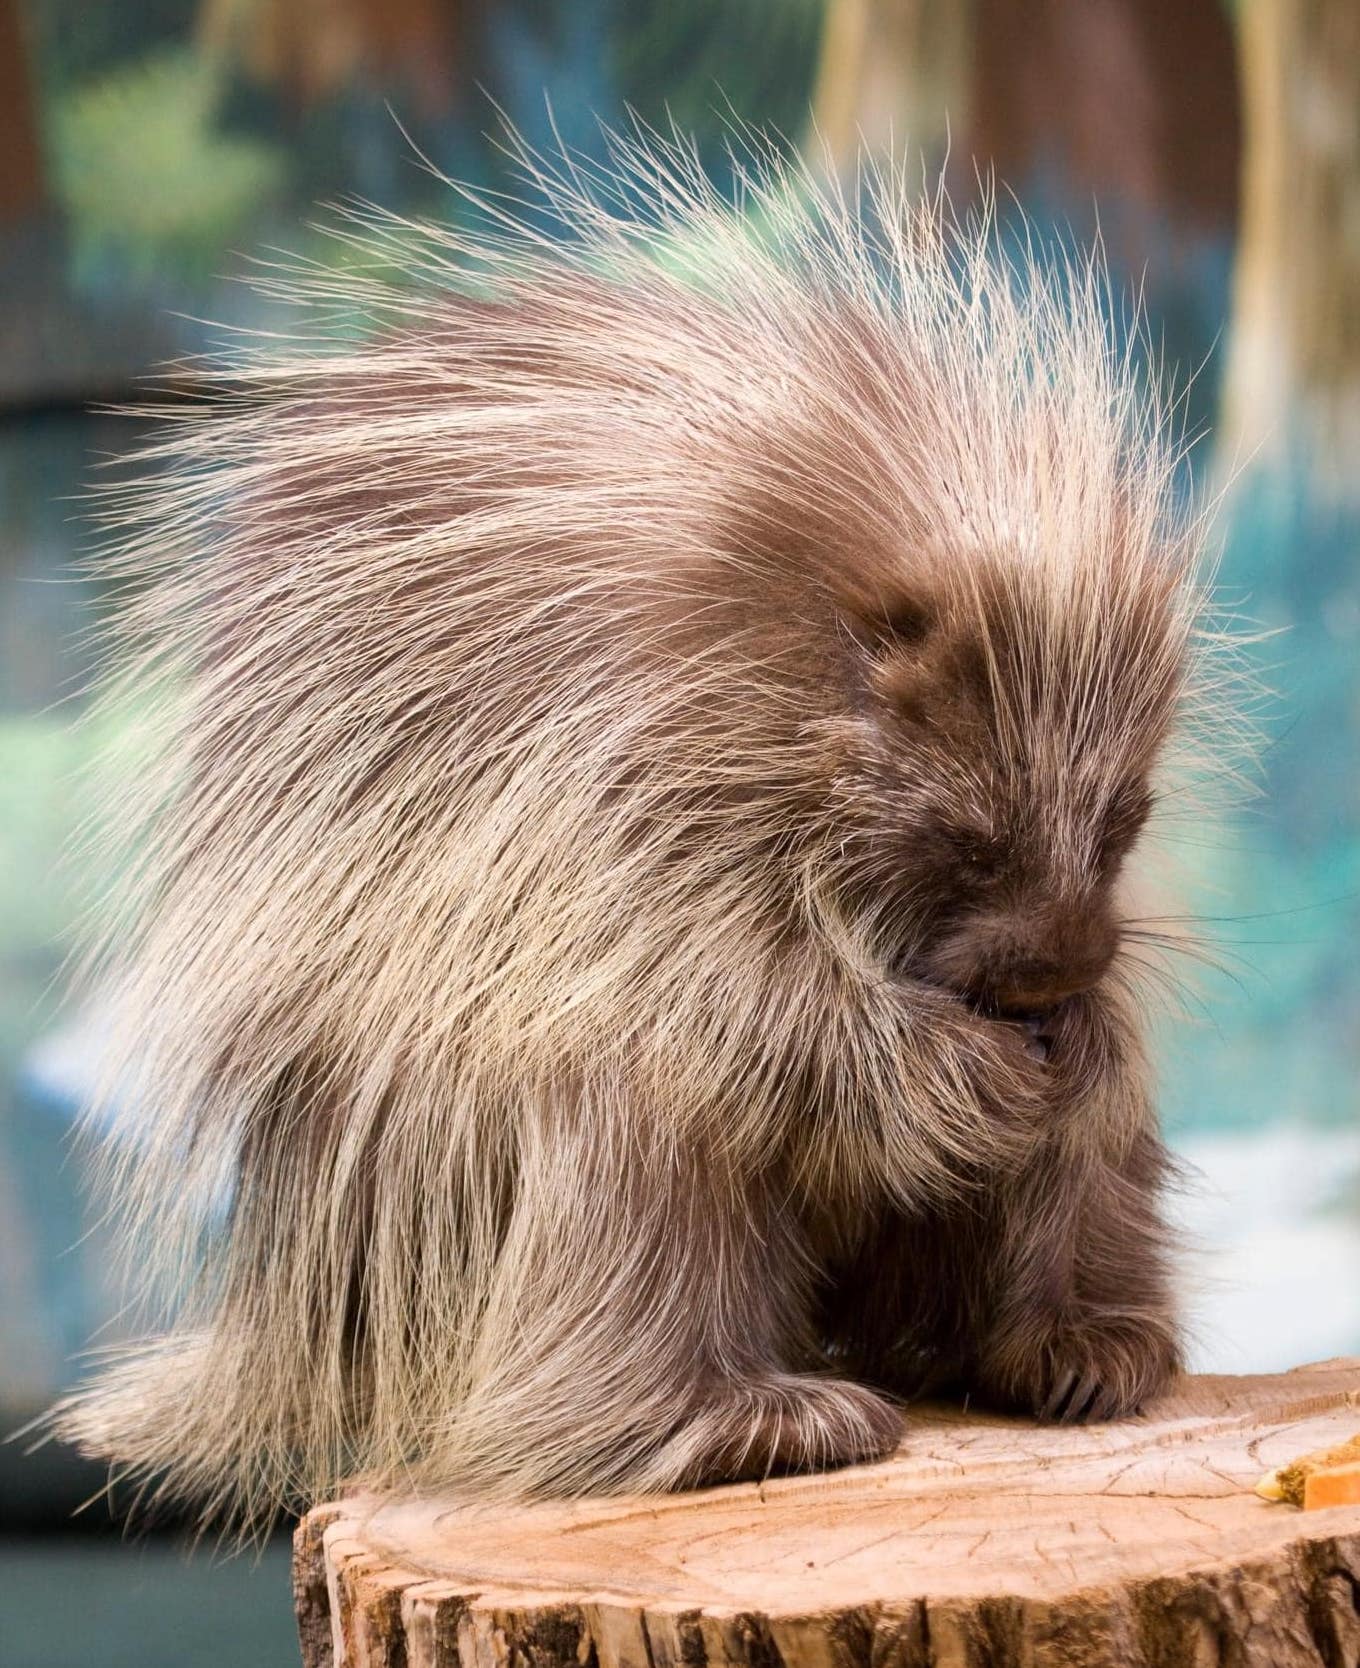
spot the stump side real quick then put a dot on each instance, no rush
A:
(984, 1543)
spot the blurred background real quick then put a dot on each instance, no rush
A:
(147, 147)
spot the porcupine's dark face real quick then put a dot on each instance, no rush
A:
(1007, 779)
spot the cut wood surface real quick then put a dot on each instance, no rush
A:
(984, 1542)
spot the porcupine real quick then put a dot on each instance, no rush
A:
(627, 953)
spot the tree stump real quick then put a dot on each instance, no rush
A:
(985, 1542)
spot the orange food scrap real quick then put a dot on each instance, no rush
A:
(1334, 1486)
(1330, 1477)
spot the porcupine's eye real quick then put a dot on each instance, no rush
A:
(893, 622)
(907, 621)
(978, 851)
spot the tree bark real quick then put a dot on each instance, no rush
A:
(984, 1543)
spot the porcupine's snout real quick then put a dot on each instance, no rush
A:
(1019, 963)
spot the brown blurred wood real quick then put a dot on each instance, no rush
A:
(313, 49)
(22, 184)
(1295, 340)
(1132, 101)
(984, 1543)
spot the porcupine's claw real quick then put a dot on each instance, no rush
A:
(1078, 1397)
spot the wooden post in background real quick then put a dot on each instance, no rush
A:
(893, 75)
(1295, 338)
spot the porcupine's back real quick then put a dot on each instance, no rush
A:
(491, 665)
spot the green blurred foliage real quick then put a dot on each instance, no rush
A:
(50, 770)
(146, 177)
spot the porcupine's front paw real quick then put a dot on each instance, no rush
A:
(744, 1430)
(1002, 1064)
(1078, 1371)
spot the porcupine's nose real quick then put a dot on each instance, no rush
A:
(1022, 962)
(1038, 986)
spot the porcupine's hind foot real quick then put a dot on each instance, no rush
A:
(775, 1423)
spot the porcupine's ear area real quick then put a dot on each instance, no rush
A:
(927, 670)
